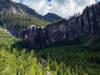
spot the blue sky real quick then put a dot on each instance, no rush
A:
(21, 1)
(64, 8)
(49, 0)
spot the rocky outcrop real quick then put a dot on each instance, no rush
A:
(7, 6)
(88, 23)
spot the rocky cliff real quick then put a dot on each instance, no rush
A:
(88, 23)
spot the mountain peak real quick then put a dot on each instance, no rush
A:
(53, 17)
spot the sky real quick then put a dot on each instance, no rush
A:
(63, 8)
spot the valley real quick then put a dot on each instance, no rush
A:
(32, 44)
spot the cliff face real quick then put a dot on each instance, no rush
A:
(83, 25)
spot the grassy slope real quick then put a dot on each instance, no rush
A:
(6, 40)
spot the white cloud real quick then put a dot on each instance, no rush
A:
(70, 7)
(16, 1)
(35, 4)
(64, 8)
(46, 8)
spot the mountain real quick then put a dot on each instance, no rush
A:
(18, 15)
(24, 16)
(52, 17)
(86, 24)
(7, 6)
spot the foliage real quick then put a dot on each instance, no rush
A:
(55, 59)
(22, 62)
(25, 63)
(84, 57)
(18, 21)
(6, 40)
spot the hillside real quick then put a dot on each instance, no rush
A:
(20, 21)
(24, 16)
(6, 40)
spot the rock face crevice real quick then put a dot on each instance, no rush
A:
(88, 23)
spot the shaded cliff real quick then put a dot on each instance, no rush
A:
(88, 23)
